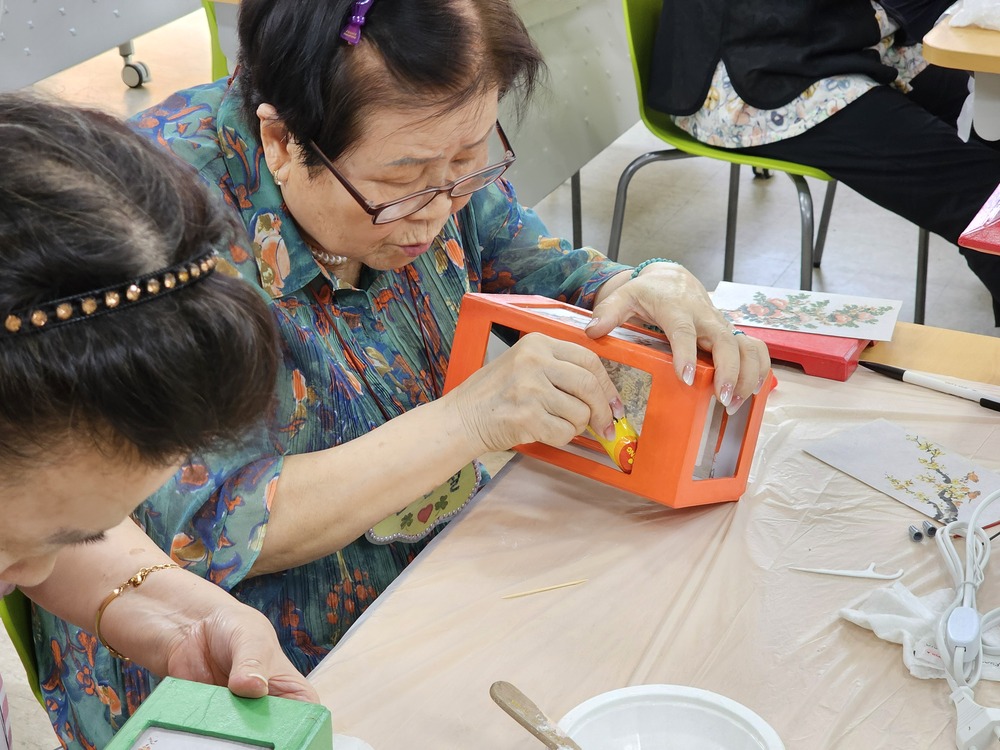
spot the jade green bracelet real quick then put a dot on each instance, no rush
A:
(638, 269)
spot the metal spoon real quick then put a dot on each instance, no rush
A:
(521, 708)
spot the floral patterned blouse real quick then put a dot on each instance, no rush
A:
(726, 121)
(352, 358)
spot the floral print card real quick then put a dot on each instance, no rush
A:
(809, 312)
(912, 469)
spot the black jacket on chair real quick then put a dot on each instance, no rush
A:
(914, 17)
(773, 49)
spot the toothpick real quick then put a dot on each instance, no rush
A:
(544, 588)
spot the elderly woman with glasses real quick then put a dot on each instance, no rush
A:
(360, 145)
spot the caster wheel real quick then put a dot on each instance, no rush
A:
(134, 74)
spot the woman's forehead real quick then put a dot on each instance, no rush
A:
(397, 137)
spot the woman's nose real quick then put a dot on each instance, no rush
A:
(438, 210)
(29, 571)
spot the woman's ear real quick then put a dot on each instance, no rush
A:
(274, 140)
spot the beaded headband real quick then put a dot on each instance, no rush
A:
(351, 33)
(49, 315)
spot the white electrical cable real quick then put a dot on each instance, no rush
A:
(960, 628)
(967, 628)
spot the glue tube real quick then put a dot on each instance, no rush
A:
(622, 448)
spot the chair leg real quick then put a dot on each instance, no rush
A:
(734, 198)
(574, 186)
(923, 248)
(824, 222)
(806, 211)
(618, 216)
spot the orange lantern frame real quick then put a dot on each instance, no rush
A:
(683, 424)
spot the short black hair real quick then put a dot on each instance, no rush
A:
(86, 203)
(427, 54)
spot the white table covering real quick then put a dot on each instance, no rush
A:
(699, 597)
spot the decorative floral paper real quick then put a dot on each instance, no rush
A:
(581, 320)
(632, 383)
(911, 469)
(810, 312)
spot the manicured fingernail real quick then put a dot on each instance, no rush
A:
(609, 432)
(260, 677)
(726, 394)
(688, 374)
(734, 405)
(760, 384)
(617, 408)
(593, 322)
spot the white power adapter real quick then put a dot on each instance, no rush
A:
(976, 726)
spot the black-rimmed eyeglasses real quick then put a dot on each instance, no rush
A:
(383, 213)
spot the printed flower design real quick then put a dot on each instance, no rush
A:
(940, 489)
(798, 312)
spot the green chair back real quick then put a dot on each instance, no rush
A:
(220, 66)
(641, 20)
(15, 611)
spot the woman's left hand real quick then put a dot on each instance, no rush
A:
(669, 296)
(235, 645)
(175, 623)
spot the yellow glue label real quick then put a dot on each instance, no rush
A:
(622, 448)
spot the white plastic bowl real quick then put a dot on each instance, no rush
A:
(667, 717)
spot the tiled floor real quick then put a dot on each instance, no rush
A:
(677, 210)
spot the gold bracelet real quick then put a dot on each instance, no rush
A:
(133, 582)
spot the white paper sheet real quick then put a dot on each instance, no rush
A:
(911, 469)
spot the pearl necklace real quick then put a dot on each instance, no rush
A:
(327, 259)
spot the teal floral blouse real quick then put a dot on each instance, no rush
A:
(352, 358)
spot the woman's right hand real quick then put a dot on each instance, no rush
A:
(541, 390)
